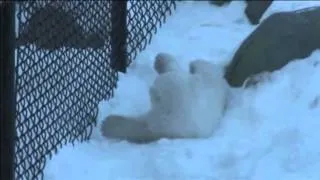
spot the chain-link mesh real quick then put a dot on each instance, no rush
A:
(63, 70)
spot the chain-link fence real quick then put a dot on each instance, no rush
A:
(68, 54)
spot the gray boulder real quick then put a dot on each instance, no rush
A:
(279, 39)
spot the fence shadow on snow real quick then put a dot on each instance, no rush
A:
(67, 58)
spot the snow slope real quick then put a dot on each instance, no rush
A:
(269, 131)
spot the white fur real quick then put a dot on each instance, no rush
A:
(186, 105)
(183, 104)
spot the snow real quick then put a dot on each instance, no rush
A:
(268, 132)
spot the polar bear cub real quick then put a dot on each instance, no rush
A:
(183, 104)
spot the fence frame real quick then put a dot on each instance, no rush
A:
(119, 34)
(7, 90)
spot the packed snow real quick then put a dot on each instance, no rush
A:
(270, 131)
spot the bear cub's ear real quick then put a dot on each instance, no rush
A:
(165, 62)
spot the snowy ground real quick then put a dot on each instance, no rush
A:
(268, 132)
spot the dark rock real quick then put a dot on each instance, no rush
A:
(279, 39)
(255, 10)
(220, 2)
(51, 28)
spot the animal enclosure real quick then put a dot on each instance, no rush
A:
(67, 56)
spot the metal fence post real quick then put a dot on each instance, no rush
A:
(119, 35)
(7, 90)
